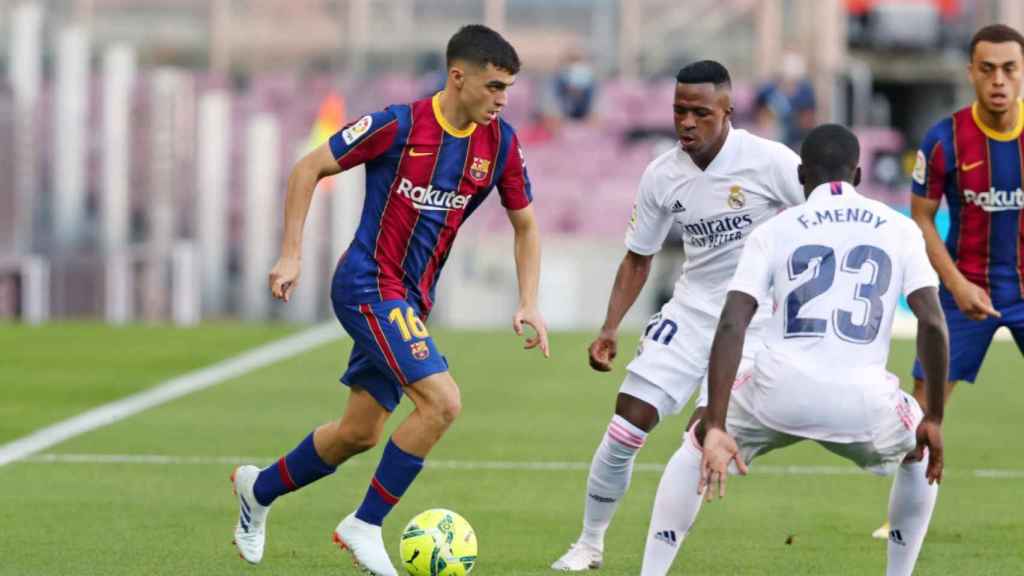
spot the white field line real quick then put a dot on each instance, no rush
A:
(168, 390)
(554, 466)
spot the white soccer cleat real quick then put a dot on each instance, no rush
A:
(881, 533)
(580, 557)
(251, 529)
(366, 544)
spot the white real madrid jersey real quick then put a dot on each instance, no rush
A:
(834, 270)
(749, 181)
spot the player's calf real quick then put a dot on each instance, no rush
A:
(610, 473)
(338, 441)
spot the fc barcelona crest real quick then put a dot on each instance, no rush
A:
(480, 168)
(420, 351)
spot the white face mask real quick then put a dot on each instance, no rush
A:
(579, 74)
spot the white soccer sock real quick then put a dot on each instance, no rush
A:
(675, 508)
(610, 473)
(910, 509)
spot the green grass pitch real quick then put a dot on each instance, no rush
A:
(133, 518)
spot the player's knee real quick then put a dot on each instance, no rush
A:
(448, 409)
(637, 412)
(443, 409)
(356, 439)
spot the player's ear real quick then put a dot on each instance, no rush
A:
(457, 76)
(800, 175)
(856, 176)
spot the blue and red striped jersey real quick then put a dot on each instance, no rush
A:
(423, 180)
(978, 171)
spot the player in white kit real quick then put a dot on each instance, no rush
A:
(834, 269)
(715, 188)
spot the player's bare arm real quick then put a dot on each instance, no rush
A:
(527, 248)
(726, 352)
(933, 350)
(629, 281)
(319, 163)
(970, 298)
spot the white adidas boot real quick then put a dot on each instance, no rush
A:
(366, 544)
(251, 529)
(580, 557)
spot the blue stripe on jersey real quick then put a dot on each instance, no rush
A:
(951, 192)
(380, 175)
(451, 164)
(1004, 233)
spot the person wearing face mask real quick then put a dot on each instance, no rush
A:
(575, 86)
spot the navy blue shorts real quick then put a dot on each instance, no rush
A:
(391, 348)
(969, 340)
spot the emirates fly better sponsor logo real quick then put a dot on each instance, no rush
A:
(993, 200)
(430, 198)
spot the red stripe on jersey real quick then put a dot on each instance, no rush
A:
(382, 342)
(936, 180)
(425, 303)
(481, 151)
(398, 219)
(286, 476)
(974, 168)
(372, 146)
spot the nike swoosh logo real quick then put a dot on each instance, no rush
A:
(413, 152)
(968, 167)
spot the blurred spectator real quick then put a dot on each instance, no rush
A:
(785, 108)
(574, 86)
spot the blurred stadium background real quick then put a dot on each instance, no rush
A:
(145, 144)
(144, 149)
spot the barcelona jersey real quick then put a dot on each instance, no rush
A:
(424, 178)
(978, 171)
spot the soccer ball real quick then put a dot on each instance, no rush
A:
(438, 542)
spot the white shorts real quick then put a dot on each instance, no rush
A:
(671, 361)
(893, 432)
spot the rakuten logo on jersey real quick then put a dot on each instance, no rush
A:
(431, 198)
(993, 200)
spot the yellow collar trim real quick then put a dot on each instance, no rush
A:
(995, 134)
(445, 125)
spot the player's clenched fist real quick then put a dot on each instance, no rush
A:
(603, 350)
(284, 276)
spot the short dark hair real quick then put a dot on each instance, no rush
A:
(703, 72)
(478, 44)
(830, 150)
(996, 34)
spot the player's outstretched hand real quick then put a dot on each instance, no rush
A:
(602, 351)
(973, 301)
(532, 317)
(720, 450)
(284, 276)
(929, 435)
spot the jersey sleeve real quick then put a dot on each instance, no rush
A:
(364, 139)
(918, 272)
(650, 222)
(788, 189)
(929, 176)
(754, 273)
(514, 186)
